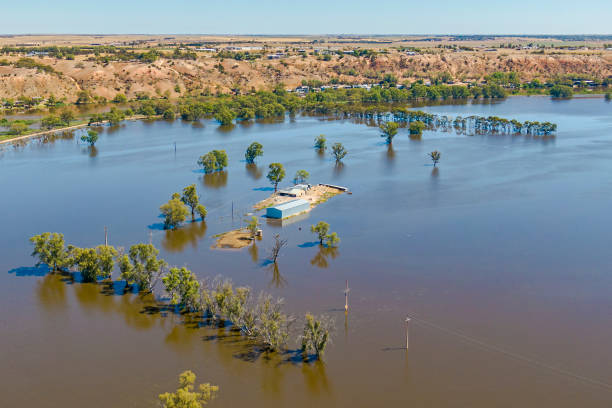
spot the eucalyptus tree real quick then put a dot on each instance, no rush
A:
(435, 157)
(321, 229)
(50, 249)
(215, 160)
(254, 150)
(316, 335)
(276, 174)
(389, 130)
(90, 138)
(141, 267)
(174, 211)
(191, 199)
(320, 142)
(94, 263)
(339, 152)
(186, 396)
(182, 286)
(300, 176)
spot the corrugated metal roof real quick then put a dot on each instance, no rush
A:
(291, 204)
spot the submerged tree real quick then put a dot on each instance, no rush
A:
(183, 287)
(186, 396)
(254, 150)
(253, 225)
(225, 116)
(321, 229)
(316, 335)
(416, 127)
(174, 211)
(215, 160)
(50, 249)
(320, 142)
(279, 244)
(332, 240)
(276, 174)
(141, 266)
(272, 324)
(94, 263)
(339, 152)
(435, 157)
(389, 130)
(301, 176)
(90, 138)
(192, 200)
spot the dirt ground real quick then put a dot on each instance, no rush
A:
(166, 76)
(235, 239)
(316, 195)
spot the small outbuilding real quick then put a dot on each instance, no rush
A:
(288, 209)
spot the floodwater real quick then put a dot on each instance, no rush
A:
(500, 256)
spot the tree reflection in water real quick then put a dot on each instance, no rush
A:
(321, 258)
(253, 171)
(176, 240)
(254, 252)
(51, 292)
(316, 377)
(217, 179)
(278, 281)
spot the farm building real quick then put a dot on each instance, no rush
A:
(288, 209)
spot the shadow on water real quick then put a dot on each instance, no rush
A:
(41, 270)
(253, 171)
(189, 234)
(214, 180)
(226, 129)
(321, 259)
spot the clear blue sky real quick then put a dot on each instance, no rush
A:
(306, 17)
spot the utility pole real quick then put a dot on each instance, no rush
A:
(175, 148)
(407, 322)
(150, 237)
(346, 292)
(105, 236)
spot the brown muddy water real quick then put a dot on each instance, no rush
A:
(500, 256)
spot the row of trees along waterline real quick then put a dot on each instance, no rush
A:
(216, 301)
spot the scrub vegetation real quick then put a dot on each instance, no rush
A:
(216, 301)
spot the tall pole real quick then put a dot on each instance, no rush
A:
(150, 237)
(105, 236)
(407, 322)
(346, 291)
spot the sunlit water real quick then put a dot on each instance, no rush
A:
(500, 255)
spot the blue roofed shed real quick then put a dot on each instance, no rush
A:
(288, 209)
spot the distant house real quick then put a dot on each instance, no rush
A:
(288, 209)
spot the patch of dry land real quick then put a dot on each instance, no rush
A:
(234, 239)
(316, 195)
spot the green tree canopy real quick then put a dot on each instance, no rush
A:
(183, 287)
(141, 266)
(301, 176)
(339, 152)
(254, 150)
(50, 249)
(389, 130)
(90, 138)
(186, 396)
(276, 174)
(174, 211)
(321, 229)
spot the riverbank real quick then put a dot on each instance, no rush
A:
(59, 130)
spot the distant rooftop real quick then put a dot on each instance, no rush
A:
(291, 204)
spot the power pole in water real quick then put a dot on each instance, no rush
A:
(346, 291)
(150, 237)
(407, 322)
(105, 236)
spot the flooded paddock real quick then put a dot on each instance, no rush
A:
(500, 255)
